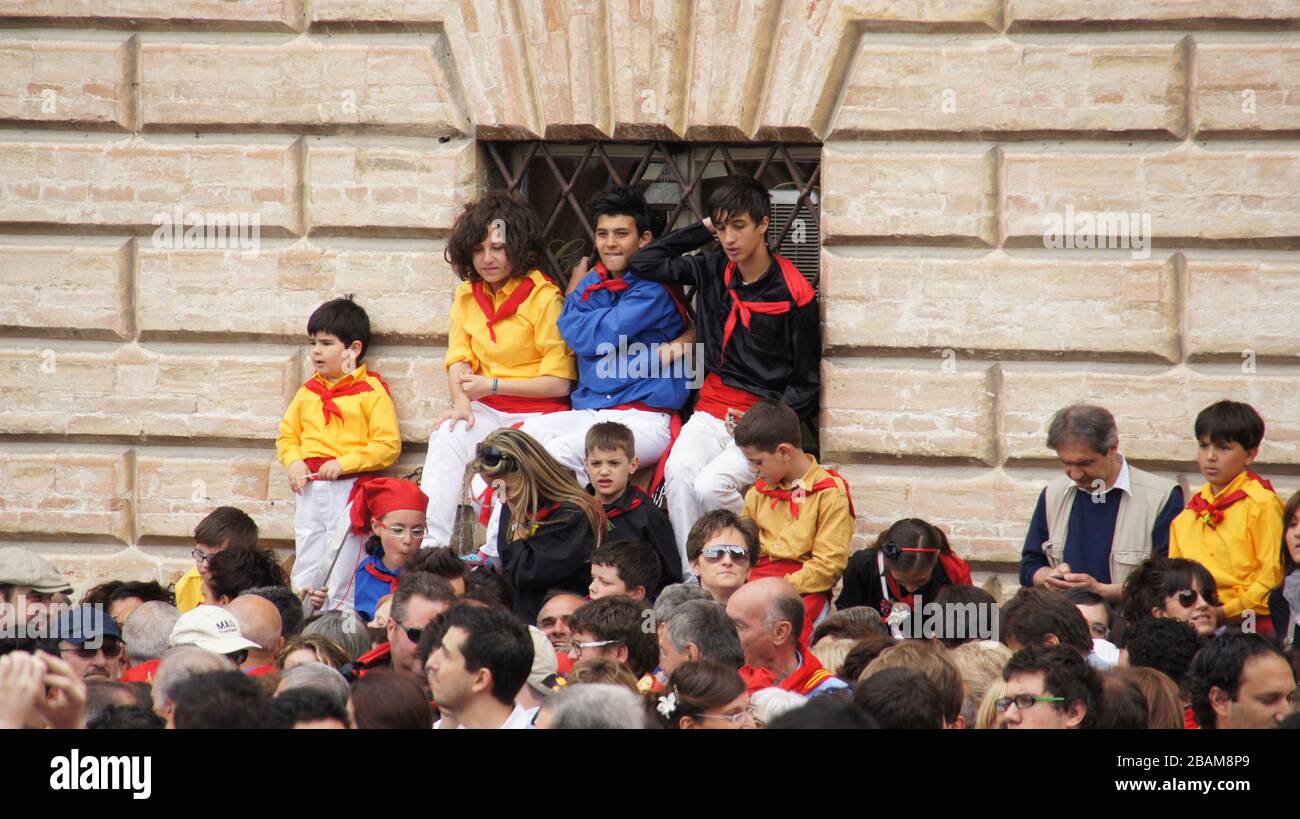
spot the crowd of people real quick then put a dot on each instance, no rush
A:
(652, 555)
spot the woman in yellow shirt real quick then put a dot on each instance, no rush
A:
(506, 360)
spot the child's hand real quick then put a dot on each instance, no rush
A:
(330, 470)
(298, 473)
(579, 271)
(65, 704)
(475, 386)
(675, 349)
(456, 413)
(317, 596)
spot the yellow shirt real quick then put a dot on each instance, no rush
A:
(1243, 551)
(528, 342)
(189, 590)
(365, 440)
(818, 538)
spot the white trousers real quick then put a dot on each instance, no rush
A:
(450, 452)
(705, 471)
(564, 434)
(322, 509)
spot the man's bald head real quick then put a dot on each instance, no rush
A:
(259, 621)
(768, 614)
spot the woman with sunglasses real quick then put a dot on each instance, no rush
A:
(549, 524)
(910, 559)
(506, 360)
(1171, 587)
(705, 694)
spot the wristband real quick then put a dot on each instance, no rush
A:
(495, 382)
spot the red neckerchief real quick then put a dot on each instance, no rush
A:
(617, 508)
(606, 282)
(328, 394)
(800, 291)
(805, 679)
(1211, 512)
(792, 496)
(375, 569)
(955, 569)
(508, 307)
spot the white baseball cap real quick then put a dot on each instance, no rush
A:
(209, 627)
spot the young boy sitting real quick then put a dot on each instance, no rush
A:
(624, 567)
(631, 514)
(803, 512)
(1233, 524)
(220, 529)
(758, 322)
(340, 425)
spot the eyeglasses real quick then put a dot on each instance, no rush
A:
(580, 647)
(1187, 598)
(110, 647)
(1099, 631)
(200, 557)
(400, 532)
(494, 459)
(1023, 702)
(715, 553)
(734, 719)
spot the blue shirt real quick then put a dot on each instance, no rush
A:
(1092, 532)
(611, 334)
(373, 581)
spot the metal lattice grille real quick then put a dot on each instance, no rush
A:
(558, 179)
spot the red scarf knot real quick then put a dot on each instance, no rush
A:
(606, 282)
(507, 309)
(1211, 513)
(800, 291)
(328, 394)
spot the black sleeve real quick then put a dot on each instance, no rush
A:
(803, 393)
(560, 548)
(1280, 612)
(857, 580)
(659, 533)
(662, 260)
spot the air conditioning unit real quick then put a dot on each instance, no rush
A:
(802, 243)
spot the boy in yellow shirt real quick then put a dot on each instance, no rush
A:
(340, 425)
(1233, 524)
(804, 513)
(220, 529)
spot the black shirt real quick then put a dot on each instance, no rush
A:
(556, 556)
(862, 584)
(634, 516)
(778, 356)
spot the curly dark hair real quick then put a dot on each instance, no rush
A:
(519, 230)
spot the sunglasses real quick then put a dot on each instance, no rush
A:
(494, 459)
(713, 554)
(1187, 597)
(111, 648)
(412, 634)
(238, 657)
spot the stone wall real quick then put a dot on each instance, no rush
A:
(140, 385)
